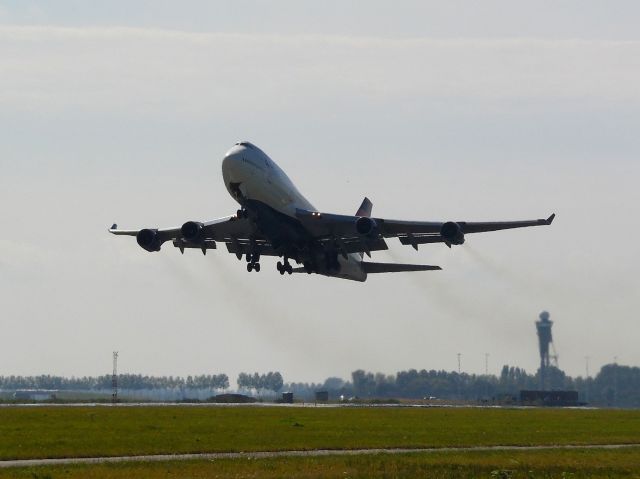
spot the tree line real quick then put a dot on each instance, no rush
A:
(272, 381)
(614, 385)
(125, 381)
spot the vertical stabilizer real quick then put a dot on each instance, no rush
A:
(365, 208)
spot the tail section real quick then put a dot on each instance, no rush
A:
(365, 208)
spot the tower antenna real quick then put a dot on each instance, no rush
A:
(586, 381)
(114, 379)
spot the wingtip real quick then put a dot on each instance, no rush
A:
(551, 218)
(113, 228)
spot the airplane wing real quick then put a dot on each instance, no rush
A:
(339, 233)
(348, 229)
(239, 234)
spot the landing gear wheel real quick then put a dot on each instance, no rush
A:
(249, 267)
(257, 267)
(286, 267)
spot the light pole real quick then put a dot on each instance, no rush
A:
(586, 382)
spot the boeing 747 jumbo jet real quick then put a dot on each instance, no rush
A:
(274, 219)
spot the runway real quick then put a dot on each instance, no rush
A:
(293, 453)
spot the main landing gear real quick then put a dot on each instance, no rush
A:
(242, 213)
(284, 267)
(252, 262)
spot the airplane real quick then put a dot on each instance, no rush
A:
(274, 219)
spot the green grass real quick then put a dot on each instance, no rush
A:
(496, 464)
(107, 431)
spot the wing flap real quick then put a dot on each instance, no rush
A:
(240, 248)
(356, 245)
(229, 228)
(411, 240)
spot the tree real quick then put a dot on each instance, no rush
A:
(275, 382)
(364, 384)
(244, 381)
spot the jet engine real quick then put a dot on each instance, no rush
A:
(149, 240)
(192, 231)
(366, 226)
(452, 233)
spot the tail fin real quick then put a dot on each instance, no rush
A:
(365, 208)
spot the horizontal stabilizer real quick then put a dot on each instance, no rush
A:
(396, 268)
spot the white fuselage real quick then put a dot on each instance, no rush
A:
(261, 179)
(258, 178)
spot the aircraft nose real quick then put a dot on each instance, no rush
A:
(232, 164)
(228, 161)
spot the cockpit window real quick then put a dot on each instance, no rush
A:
(247, 144)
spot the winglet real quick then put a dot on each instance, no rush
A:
(114, 226)
(550, 218)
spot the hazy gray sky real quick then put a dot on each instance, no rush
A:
(122, 112)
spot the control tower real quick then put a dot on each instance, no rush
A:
(545, 340)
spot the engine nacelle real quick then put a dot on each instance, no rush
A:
(192, 231)
(452, 233)
(149, 240)
(366, 226)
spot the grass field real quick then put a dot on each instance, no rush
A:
(496, 464)
(50, 432)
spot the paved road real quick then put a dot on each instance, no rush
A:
(272, 454)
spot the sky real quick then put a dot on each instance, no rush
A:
(122, 111)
